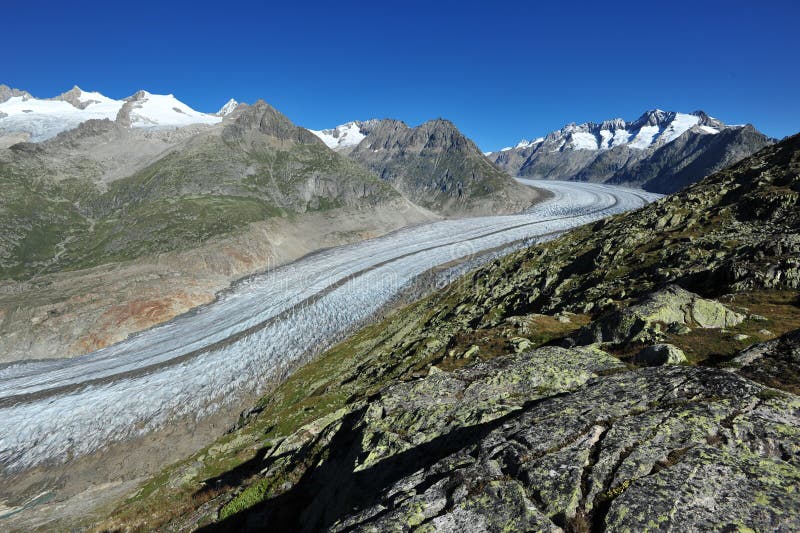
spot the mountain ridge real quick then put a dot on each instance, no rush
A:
(433, 164)
(43, 119)
(633, 152)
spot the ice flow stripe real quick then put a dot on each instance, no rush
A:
(60, 425)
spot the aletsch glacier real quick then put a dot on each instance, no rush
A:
(54, 410)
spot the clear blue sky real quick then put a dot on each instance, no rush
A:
(501, 71)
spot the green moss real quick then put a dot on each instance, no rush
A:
(249, 497)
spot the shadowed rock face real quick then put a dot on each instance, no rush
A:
(504, 446)
(437, 167)
(691, 157)
(775, 363)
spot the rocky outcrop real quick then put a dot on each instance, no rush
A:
(646, 321)
(488, 449)
(73, 97)
(7, 92)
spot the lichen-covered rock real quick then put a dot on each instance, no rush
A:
(660, 354)
(521, 344)
(419, 411)
(492, 448)
(672, 307)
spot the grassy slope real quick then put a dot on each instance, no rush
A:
(209, 190)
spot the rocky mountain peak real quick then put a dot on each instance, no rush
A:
(73, 97)
(229, 107)
(7, 92)
(654, 117)
(613, 124)
(440, 134)
(706, 120)
(264, 119)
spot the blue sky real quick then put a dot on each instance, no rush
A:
(501, 71)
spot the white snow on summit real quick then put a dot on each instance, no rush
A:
(523, 144)
(164, 110)
(340, 137)
(678, 126)
(654, 128)
(644, 137)
(228, 108)
(46, 118)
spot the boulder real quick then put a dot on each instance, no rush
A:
(660, 354)
(672, 307)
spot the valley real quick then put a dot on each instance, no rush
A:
(222, 354)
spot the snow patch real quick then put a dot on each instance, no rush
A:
(678, 126)
(645, 137)
(164, 110)
(524, 143)
(709, 129)
(583, 140)
(340, 137)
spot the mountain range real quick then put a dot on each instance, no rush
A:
(42, 119)
(147, 208)
(660, 151)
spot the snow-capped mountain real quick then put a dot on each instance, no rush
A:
(652, 149)
(229, 107)
(46, 118)
(652, 128)
(344, 136)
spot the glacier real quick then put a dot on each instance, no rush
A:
(253, 334)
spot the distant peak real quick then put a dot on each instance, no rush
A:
(7, 92)
(343, 136)
(78, 98)
(228, 108)
(653, 117)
